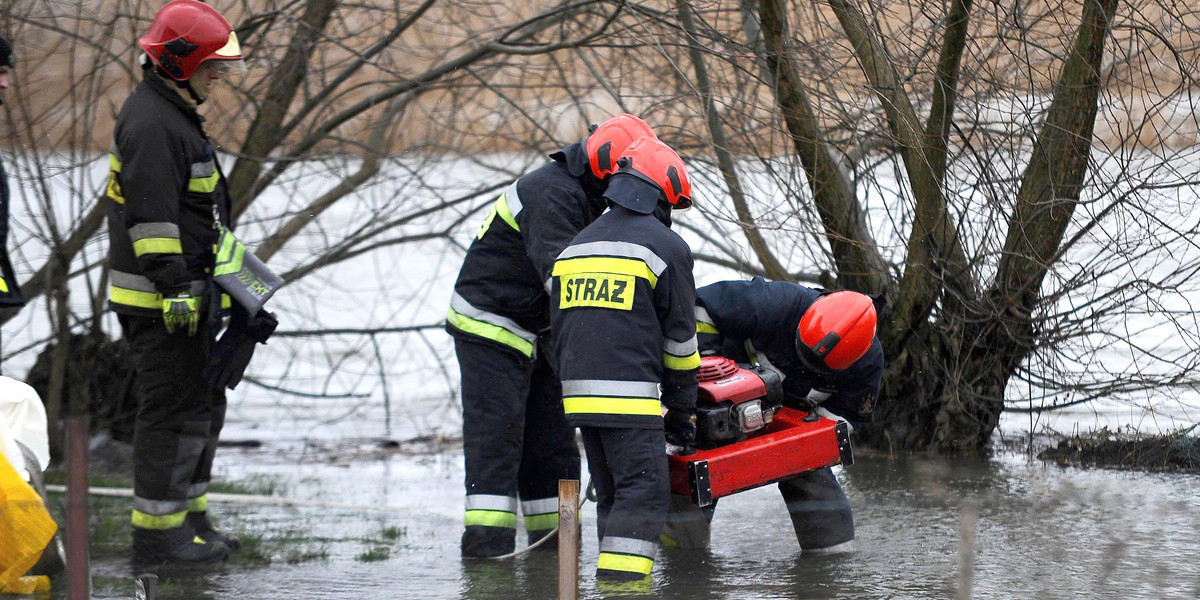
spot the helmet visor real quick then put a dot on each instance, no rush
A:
(228, 66)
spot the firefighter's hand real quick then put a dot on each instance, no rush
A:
(680, 426)
(181, 311)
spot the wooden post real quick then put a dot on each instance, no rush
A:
(568, 539)
(79, 578)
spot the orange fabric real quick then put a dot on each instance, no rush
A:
(25, 525)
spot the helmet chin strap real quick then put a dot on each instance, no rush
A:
(187, 85)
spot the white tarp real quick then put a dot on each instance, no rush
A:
(22, 419)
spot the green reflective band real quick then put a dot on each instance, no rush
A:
(612, 406)
(146, 246)
(706, 328)
(625, 562)
(504, 212)
(541, 522)
(681, 363)
(491, 332)
(128, 297)
(113, 163)
(491, 518)
(148, 521)
(198, 504)
(230, 256)
(204, 185)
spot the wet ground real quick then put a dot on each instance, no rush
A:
(383, 521)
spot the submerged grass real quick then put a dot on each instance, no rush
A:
(1178, 451)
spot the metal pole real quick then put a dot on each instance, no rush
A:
(78, 570)
(568, 539)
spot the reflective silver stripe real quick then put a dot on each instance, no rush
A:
(204, 169)
(702, 316)
(621, 545)
(130, 281)
(513, 200)
(549, 284)
(464, 308)
(153, 230)
(608, 387)
(484, 502)
(159, 507)
(539, 507)
(197, 489)
(622, 249)
(141, 283)
(680, 348)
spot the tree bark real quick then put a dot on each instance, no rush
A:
(720, 145)
(855, 252)
(1046, 202)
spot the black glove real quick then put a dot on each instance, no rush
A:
(680, 426)
(232, 353)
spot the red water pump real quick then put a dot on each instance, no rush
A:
(746, 436)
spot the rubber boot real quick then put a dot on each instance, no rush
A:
(487, 542)
(204, 528)
(179, 546)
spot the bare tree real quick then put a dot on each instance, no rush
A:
(1018, 179)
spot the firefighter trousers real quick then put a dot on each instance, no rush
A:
(819, 510)
(516, 446)
(629, 471)
(179, 419)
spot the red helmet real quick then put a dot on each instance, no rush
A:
(660, 174)
(186, 33)
(836, 331)
(607, 142)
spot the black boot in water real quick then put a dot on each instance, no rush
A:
(204, 528)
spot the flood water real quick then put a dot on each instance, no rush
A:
(1028, 530)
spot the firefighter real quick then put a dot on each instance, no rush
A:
(166, 196)
(516, 442)
(823, 345)
(623, 324)
(10, 294)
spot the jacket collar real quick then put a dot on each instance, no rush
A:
(166, 89)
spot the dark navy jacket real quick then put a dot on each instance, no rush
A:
(767, 313)
(500, 295)
(624, 322)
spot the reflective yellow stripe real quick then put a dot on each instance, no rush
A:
(198, 504)
(499, 208)
(604, 264)
(491, 332)
(625, 562)
(148, 521)
(157, 246)
(681, 363)
(539, 522)
(706, 328)
(136, 298)
(491, 518)
(204, 185)
(575, 405)
(504, 212)
(3, 285)
(226, 301)
(113, 163)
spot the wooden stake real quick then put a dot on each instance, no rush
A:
(568, 539)
(79, 580)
